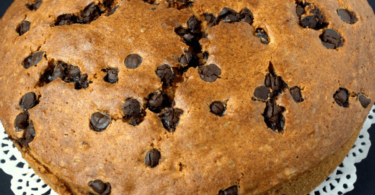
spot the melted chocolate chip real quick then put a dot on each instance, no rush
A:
(247, 16)
(260, 33)
(112, 75)
(229, 191)
(347, 16)
(331, 39)
(296, 94)
(262, 93)
(24, 27)
(28, 101)
(165, 73)
(342, 97)
(209, 73)
(273, 116)
(99, 121)
(364, 100)
(33, 59)
(218, 108)
(152, 158)
(35, 5)
(22, 121)
(310, 16)
(133, 61)
(157, 101)
(170, 118)
(100, 187)
(132, 111)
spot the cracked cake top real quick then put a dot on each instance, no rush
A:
(183, 97)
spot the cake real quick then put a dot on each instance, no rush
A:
(186, 96)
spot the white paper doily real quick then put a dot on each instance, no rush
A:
(25, 182)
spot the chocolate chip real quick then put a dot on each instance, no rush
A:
(29, 133)
(108, 3)
(66, 19)
(100, 187)
(342, 97)
(170, 118)
(300, 10)
(273, 116)
(296, 94)
(276, 83)
(157, 101)
(193, 24)
(149, 1)
(262, 93)
(24, 27)
(152, 158)
(35, 5)
(209, 73)
(113, 10)
(83, 82)
(210, 18)
(231, 18)
(311, 17)
(331, 39)
(188, 37)
(165, 73)
(59, 71)
(72, 74)
(186, 58)
(218, 108)
(229, 191)
(260, 33)
(22, 121)
(90, 13)
(132, 111)
(181, 31)
(364, 101)
(99, 121)
(133, 61)
(347, 16)
(33, 59)
(247, 16)
(28, 101)
(112, 75)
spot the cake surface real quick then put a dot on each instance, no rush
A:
(185, 97)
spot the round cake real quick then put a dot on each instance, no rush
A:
(182, 97)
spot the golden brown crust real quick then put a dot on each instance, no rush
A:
(206, 153)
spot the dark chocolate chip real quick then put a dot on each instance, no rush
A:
(58, 72)
(273, 116)
(112, 75)
(35, 5)
(231, 18)
(83, 82)
(90, 13)
(108, 3)
(331, 39)
(29, 133)
(107, 190)
(98, 186)
(113, 10)
(312, 17)
(157, 101)
(152, 158)
(66, 19)
(300, 10)
(260, 33)
(170, 118)
(99, 121)
(165, 73)
(133, 61)
(276, 83)
(229, 191)
(73, 74)
(364, 101)
(218, 108)
(33, 59)
(262, 93)
(210, 18)
(193, 24)
(24, 27)
(296, 94)
(133, 111)
(28, 101)
(247, 16)
(186, 58)
(188, 37)
(342, 97)
(347, 16)
(149, 1)
(22, 121)
(181, 31)
(209, 73)
(224, 12)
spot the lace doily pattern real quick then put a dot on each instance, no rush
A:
(341, 181)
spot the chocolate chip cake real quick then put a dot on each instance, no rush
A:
(181, 97)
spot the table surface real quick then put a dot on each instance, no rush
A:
(365, 170)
